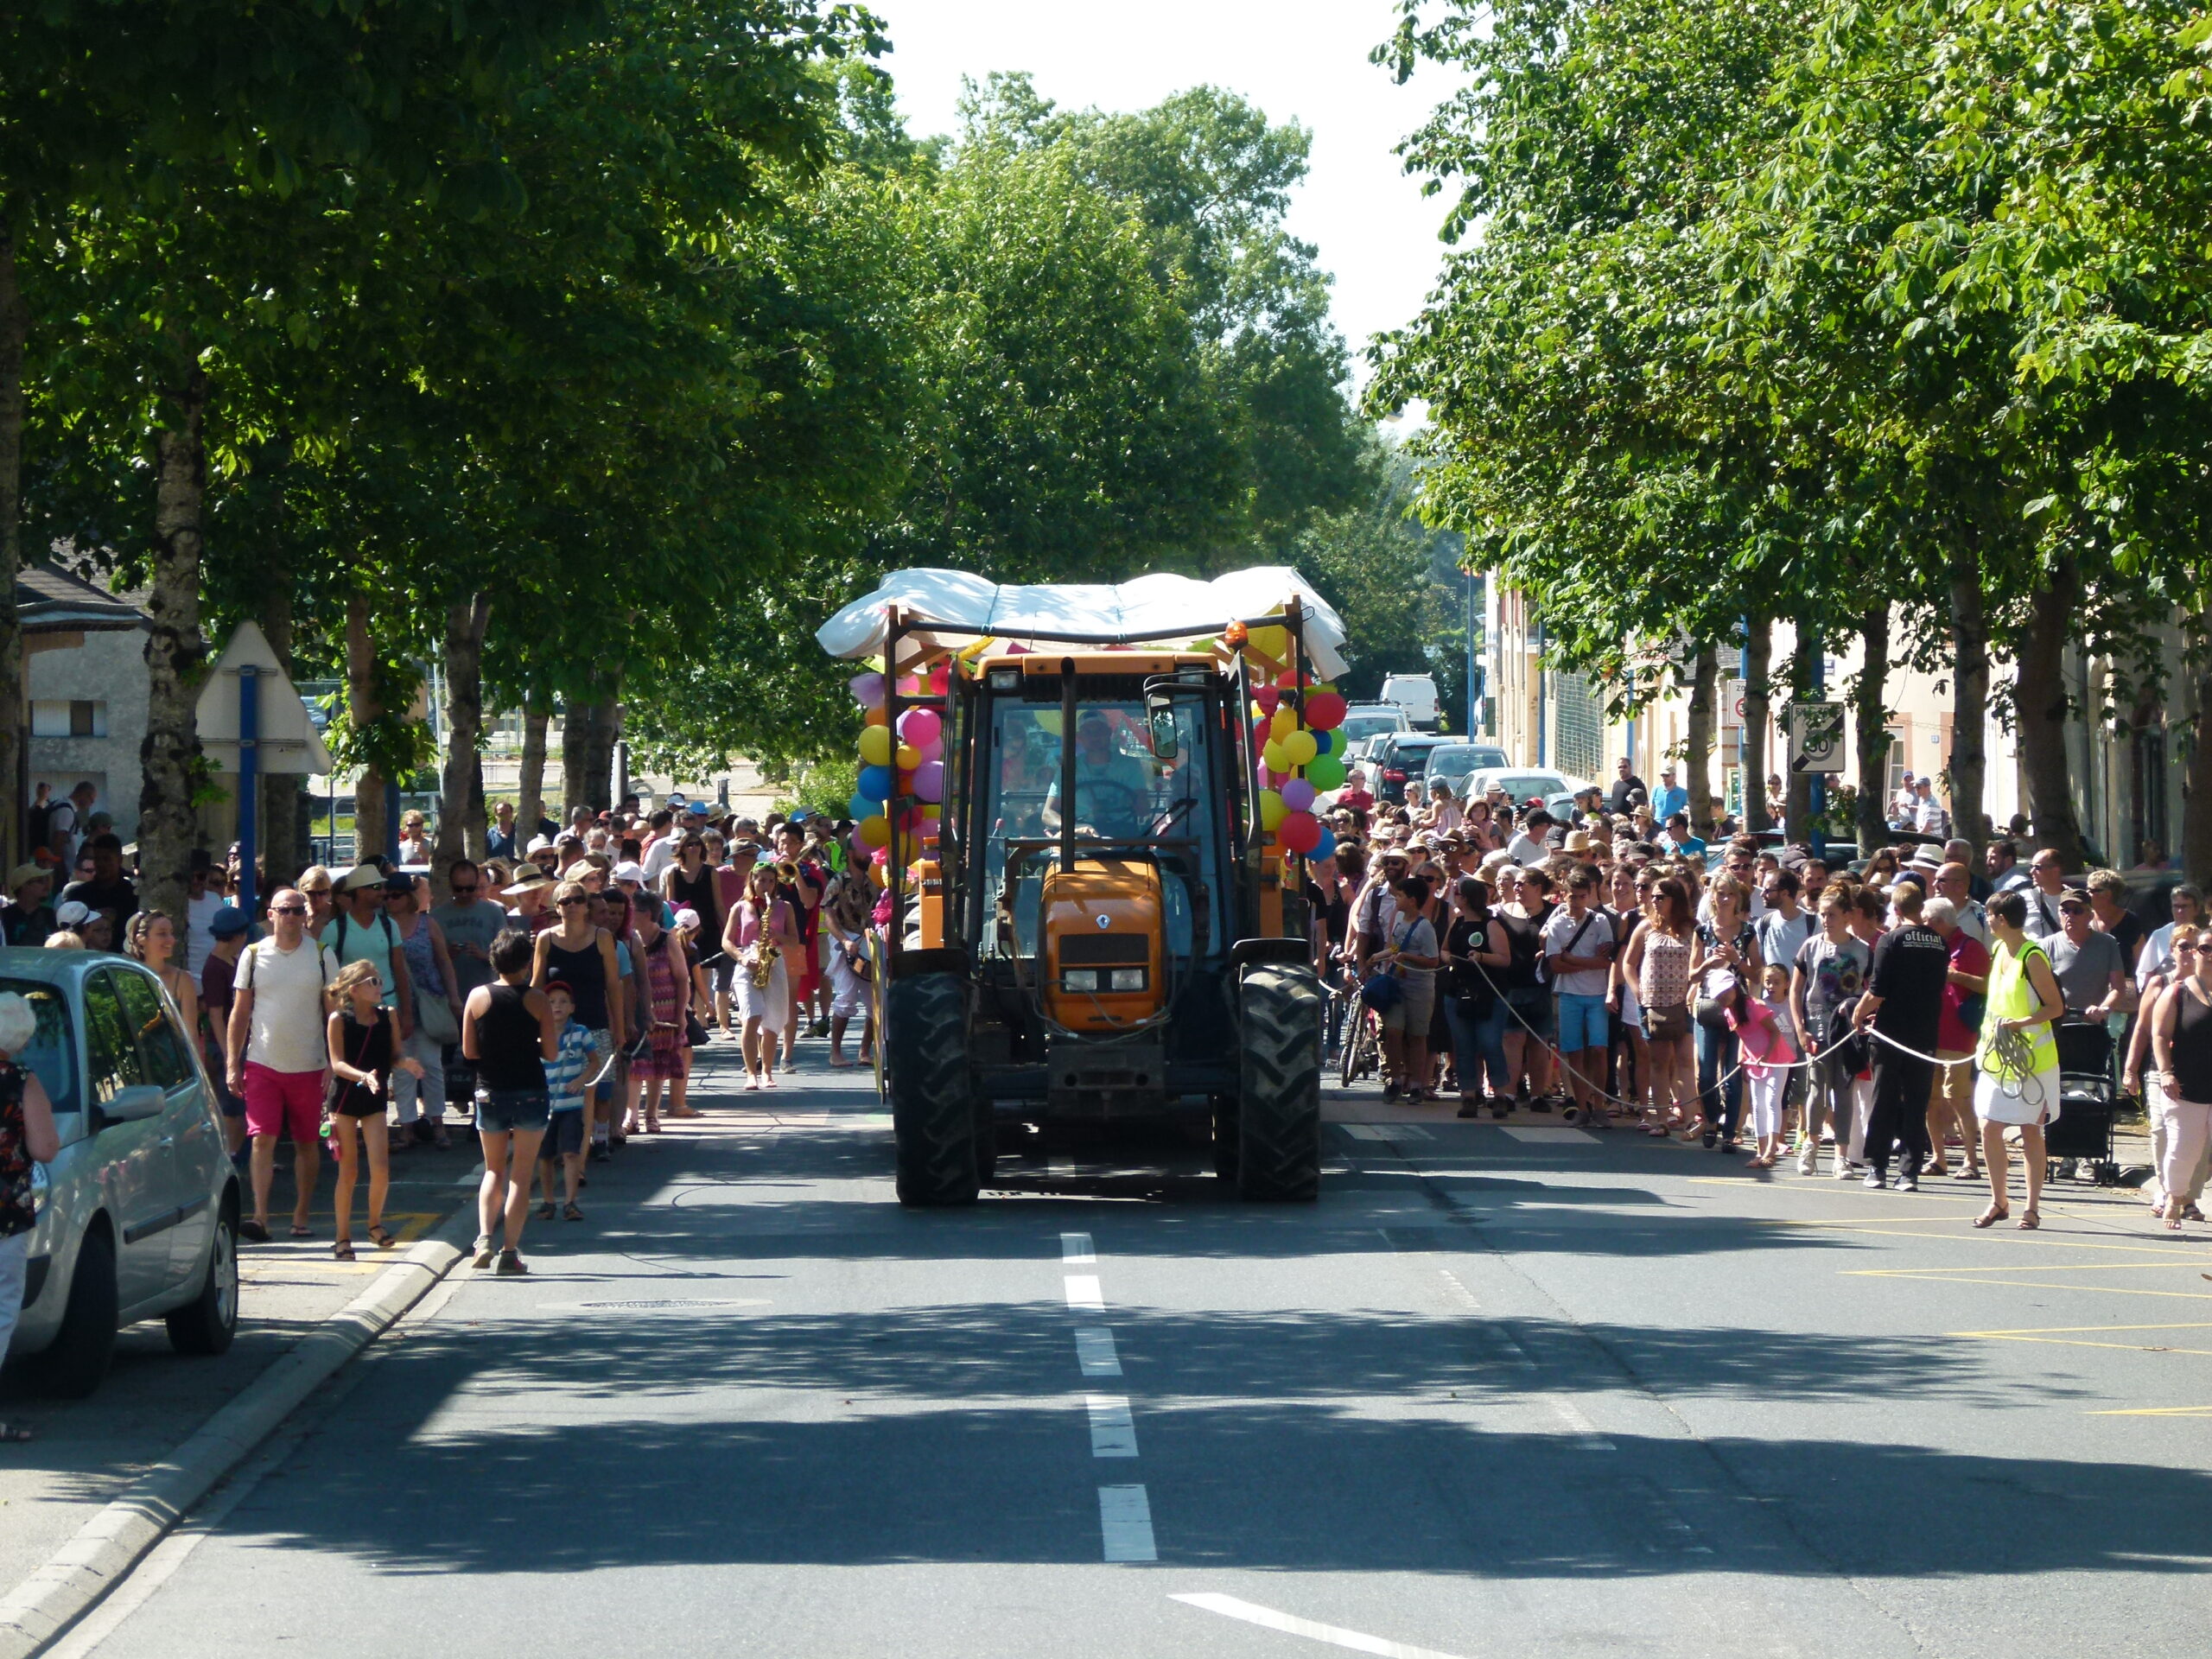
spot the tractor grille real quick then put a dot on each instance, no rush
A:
(1104, 949)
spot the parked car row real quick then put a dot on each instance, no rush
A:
(139, 1216)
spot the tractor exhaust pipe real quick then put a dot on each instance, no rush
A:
(1067, 763)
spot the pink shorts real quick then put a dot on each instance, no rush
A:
(286, 1104)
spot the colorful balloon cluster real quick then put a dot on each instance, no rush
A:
(1299, 759)
(907, 765)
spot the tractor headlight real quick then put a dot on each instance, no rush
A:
(1080, 979)
(1006, 679)
(1129, 979)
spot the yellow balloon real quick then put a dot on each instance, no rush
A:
(1271, 809)
(1299, 747)
(876, 830)
(909, 757)
(875, 745)
(1274, 759)
(879, 874)
(1284, 723)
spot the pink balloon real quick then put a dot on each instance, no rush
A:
(867, 690)
(1298, 795)
(921, 727)
(929, 782)
(932, 750)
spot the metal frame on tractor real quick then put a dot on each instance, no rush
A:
(969, 1041)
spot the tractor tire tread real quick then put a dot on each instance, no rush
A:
(1279, 1112)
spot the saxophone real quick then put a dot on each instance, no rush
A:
(762, 967)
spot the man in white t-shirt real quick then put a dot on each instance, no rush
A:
(1527, 848)
(199, 908)
(1578, 943)
(278, 1054)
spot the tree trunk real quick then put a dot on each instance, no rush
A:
(175, 654)
(465, 624)
(2041, 713)
(371, 825)
(282, 814)
(476, 826)
(576, 756)
(587, 735)
(15, 330)
(1871, 722)
(1758, 694)
(529, 810)
(1969, 693)
(1697, 764)
(2196, 785)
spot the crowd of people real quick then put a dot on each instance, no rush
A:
(555, 993)
(1766, 999)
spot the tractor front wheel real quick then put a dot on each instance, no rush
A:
(1279, 1109)
(933, 1110)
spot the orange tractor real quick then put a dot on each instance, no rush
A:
(1104, 932)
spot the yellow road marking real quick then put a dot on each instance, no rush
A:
(2041, 1284)
(2042, 1266)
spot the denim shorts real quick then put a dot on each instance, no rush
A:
(504, 1110)
(1581, 1022)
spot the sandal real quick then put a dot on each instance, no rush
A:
(571, 1213)
(381, 1236)
(2029, 1221)
(1992, 1215)
(546, 1210)
(342, 1250)
(253, 1232)
(298, 1231)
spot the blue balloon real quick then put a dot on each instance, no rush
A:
(875, 785)
(1324, 848)
(860, 807)
(1327, 743)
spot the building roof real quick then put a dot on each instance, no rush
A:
(49, 600)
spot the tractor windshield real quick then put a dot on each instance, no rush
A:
(1123, 791)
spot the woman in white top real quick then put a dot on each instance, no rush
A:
(1445, 813)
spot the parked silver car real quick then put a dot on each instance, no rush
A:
(139, 1216)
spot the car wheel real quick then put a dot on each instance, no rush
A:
(206, 1324)
(75, 1364)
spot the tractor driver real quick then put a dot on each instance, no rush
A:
(1113, 794)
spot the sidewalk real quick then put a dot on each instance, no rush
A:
(89, 1451)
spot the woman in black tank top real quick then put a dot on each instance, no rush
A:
(508, 1035)
(2182, 1039)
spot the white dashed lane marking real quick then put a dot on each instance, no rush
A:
(1083, 1292)
(1125, 1521)
(1335, 1636)
(1094, 1352)
(1076, 1248)
(1113, 1432)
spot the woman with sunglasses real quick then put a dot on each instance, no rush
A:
(583, 957)
(2182, 1039)
(317, 884)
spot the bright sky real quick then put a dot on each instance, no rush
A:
(1301, 58)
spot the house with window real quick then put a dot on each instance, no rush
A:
(84, 689)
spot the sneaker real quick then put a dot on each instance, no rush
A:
(1842, 1170)
(1906, 1183)
(511, 1262)
(601, 1153)
(1572, 1114)
(1874, 1181)
(484, 1252)
(1806, 1166)
(1472, 1107)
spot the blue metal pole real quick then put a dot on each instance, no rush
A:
(1745, 751)
(1473, 682)
(1817, 798)
(249, 780)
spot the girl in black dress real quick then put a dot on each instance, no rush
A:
(362, 1044)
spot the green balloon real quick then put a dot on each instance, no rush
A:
(1325, 772)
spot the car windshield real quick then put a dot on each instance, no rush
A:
(1356, 726)
(1522, 784)
(1458, 759)
(1122, 789)
(51, 1055)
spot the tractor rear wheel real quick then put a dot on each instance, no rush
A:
(933, 1112)
(1278, 1111)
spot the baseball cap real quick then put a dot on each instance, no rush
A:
(71, 913)
(697, 808)
(229, 922)
(630, 870)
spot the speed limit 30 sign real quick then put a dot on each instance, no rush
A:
(1817, 737)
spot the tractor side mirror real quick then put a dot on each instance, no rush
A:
(1164, 741)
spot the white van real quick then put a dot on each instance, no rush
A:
(1416, 694)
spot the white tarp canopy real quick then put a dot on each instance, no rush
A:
(956, 606)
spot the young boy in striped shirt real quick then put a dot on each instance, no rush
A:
(565, 1075)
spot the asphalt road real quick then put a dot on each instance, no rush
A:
(1504, 1391)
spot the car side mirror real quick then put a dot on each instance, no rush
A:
(1163, 740)
(134, 1104)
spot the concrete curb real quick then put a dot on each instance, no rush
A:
(109, 1545)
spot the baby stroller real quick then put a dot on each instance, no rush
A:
(2086, 1102)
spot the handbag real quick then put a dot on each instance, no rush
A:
(693, 1031)
(434, 1019)
(1667, 1024)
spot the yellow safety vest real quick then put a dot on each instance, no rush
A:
(2011, 995)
